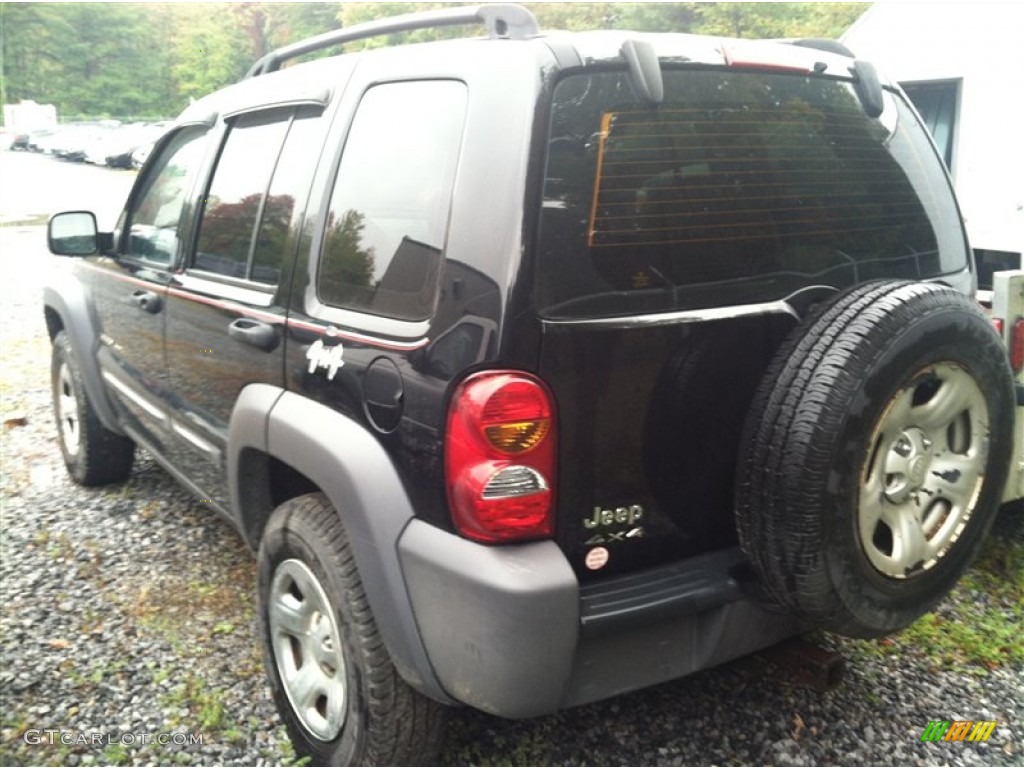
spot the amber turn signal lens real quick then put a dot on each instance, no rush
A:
(517, 436)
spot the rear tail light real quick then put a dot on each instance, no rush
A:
(1017, 345)
(500, 457)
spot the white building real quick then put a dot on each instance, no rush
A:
(26, 115)
(962, 63)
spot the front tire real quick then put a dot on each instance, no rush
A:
(92, 453)
(338, 692)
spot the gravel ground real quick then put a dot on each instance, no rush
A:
(127, 613)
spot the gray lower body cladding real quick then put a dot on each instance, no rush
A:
(502, 625)
(508, 630)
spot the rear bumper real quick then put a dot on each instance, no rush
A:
(509, 630)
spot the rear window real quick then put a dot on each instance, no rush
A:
(741, 188)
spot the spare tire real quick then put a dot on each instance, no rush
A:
(874, 455)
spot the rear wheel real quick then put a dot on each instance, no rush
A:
(339, 695)
(874, 456)
(920, 483)
(92, 453)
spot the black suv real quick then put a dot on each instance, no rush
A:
(539, 367)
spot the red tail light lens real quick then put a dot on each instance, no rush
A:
(500, 457)
(1017, 346)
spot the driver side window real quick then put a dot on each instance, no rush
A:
(153, 225)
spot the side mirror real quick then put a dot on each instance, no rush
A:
(73, 233)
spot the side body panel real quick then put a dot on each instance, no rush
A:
(129, 300)
(208, 368)
(395, 376)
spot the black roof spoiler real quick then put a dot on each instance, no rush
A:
(868, 87)
(865, 77)
(644, 71)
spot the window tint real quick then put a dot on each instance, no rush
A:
(388, 215)
(153, 225)
(740, 189)
(236, 195)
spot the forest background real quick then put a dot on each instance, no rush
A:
(135, 61)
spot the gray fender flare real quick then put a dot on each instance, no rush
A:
(65, 296)
(355, 473)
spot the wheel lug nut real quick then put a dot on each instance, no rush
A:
(903, 447)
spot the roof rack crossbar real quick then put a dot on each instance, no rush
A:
(503, 20)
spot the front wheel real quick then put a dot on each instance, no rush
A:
(92, 453)
(337, 690)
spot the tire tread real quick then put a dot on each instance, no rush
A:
(104, 457)
(403, 726)
(786, 451)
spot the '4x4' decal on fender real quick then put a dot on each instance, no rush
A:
(322, 356)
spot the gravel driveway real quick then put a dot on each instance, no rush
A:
(127, 613)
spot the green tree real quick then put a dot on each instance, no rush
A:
(32, 36)
(766, 20)
(143, 59)
(727, 19)
(289, 22)
(98, 59)
(210, 48)
(352, 14)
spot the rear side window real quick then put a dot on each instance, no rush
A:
(742, 188)
(388, 216)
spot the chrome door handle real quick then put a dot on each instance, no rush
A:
(254, 332)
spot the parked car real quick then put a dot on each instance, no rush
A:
(539, 368)
(93, 146)
(34, 137)
(73, 141)
(120, 155)
(46, 141)
(141, 154)
(115, 147)
(16, 140)
(82, 137)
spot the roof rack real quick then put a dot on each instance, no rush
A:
(503, 20)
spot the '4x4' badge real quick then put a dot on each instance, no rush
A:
(322, 356)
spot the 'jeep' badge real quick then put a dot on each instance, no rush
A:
(322, 356)
(605, 517)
